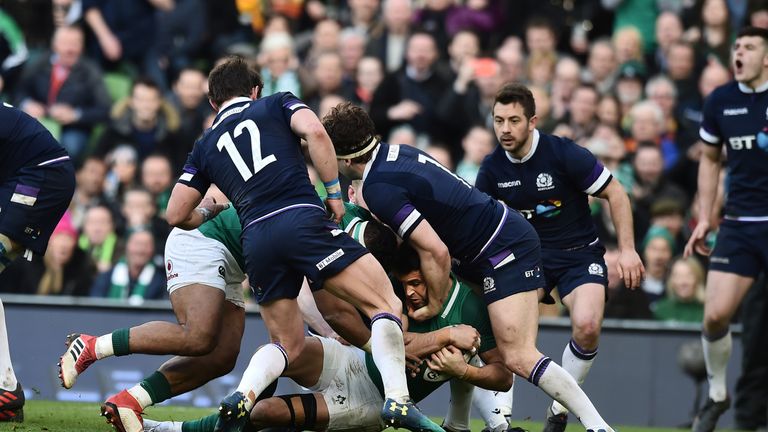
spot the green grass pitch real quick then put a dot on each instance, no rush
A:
(47, 416)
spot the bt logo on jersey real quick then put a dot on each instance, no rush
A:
(742, 142)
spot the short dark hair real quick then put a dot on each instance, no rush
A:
(519, 94)
(146, 82)
(407, 260)
(233, 78)
(754, 31)
(382, 244)
(540, 21)
(351, 129)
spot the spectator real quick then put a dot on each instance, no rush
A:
(157, 179)
(147, 123)
(713, 35)
(99, 240)
(66, 12)
(63, 270)
(404, 135)
(682, 65)
(139, 213)
(657, 255)
(388, 43)
(362, 15)
(623, 303)
(67, 88)
(411, 95)
(567, 78)
(669, 29)
(480, 16)
(89, 190)
(123, 168)
(661, 90)
(433, 18)
(512, 60)
(582, 113)
(647, 126)
(639, 15)
(670, 214)
(328, 102)
(279, 65)
(601, 66)
(629, 85)
(628, 43)
(544, 123)
(464, 47)
(370, 73)
(135, 277)
(685, 293)
(477, 144)
(541, 69)
(351, 48)
(540, 36)
(609, 111)
(190, 101)
(327, 78)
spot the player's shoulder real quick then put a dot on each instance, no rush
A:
(725, 91)
(561, 149)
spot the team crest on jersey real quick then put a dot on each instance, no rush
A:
(595, 269)
(221, 271)
(489, 285)
(544, 182)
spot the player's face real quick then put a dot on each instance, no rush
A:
(512, 127)
(749, 59)
(415, 290)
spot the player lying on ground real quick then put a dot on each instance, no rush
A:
(347, 388)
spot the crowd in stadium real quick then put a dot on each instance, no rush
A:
(122, 85)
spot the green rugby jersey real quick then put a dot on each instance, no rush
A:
(225, 228)
(462, 307)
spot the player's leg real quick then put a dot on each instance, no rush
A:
(515, 324)
(286, 331)
(306, 411)
(344, 319)
(11, 393)
(494, 407)
(586, 304)
(459, 407)
(724, 294)
(364, 284)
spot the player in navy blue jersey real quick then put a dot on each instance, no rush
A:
(735, 115)
(252, 152)
(37, 181)
(548, 179)
(446, 219)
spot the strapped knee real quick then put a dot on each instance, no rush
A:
(309, 406)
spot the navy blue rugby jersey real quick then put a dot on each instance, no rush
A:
(403, 186)
(254, 157)
(549, 186)
(24, 142)
(737, 116)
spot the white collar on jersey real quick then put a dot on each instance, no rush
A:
(534, 146)
(746, 89)
(233, 101)
(370, 162)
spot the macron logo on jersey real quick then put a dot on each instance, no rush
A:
(509, 184)
(735, 111)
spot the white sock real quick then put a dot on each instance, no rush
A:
(267, 364)
(140, 394)
(8, 379)
(576, 361)
(389, 355)
(460, 405)
(104, 346)
(494, 407)
(716, 355)
(561, 386)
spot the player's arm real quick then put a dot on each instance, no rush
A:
(709, 176)
(188, 210)
(306, 125)
(435, 268)
(493, 376)
(630, 265)
(462, 336)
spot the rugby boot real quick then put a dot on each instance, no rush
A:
(123, 412)
(407, 416)
(12, 405)
(232, 413)
(706, 419)
(81, 353)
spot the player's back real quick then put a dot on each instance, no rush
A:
(24, 141)
(738, 118)
(401, 178)
(254, 157)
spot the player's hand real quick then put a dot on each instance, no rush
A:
(464, 337)
(336, 209)
(63, 113)
(211, 204)
(412, 364)
(111, 47)
(697, 242)
(631, 268)
(448, 360)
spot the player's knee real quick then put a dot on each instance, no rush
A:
(199, 343)
(223, 361)
(270, 412)
(715, 319)
(586, 331)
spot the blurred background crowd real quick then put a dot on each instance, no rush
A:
(122, 85)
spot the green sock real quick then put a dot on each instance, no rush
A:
(158, 387)
(120, 341)
(205, 424)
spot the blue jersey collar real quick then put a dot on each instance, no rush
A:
(534, 146)
(760, 89)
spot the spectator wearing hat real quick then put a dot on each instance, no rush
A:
(670, 214)
(63, 270)
(629, 85)
(657, 255)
